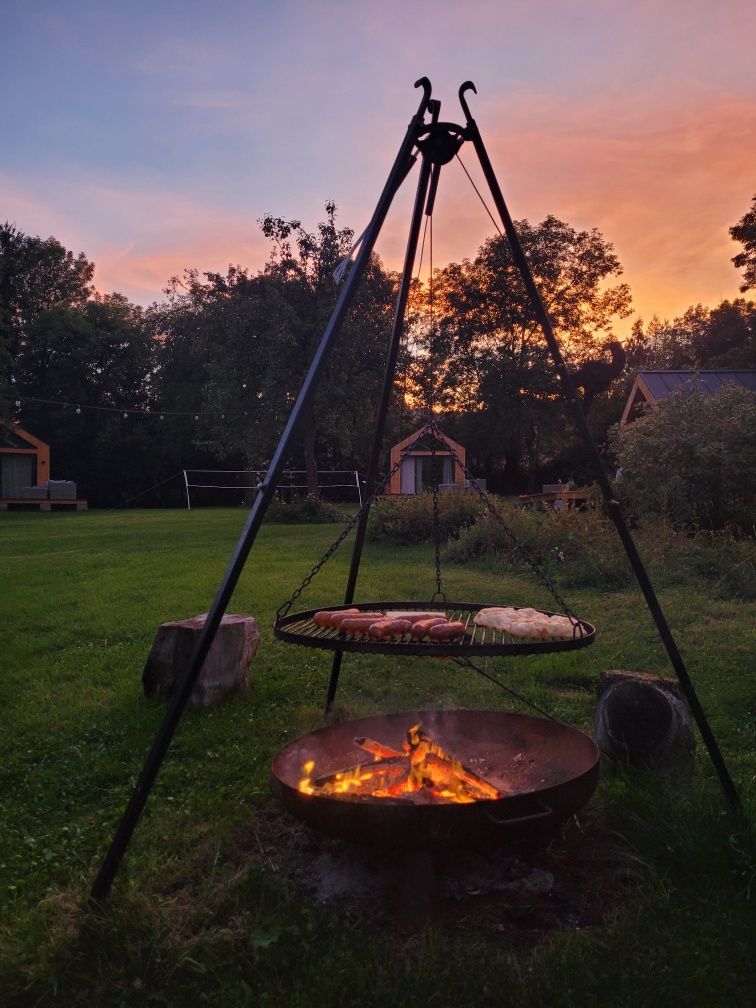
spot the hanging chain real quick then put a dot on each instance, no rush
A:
(531, 559)
(436, 522)
(438, 594)
(284, 608)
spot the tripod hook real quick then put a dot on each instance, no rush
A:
(467, 86)
(427, 87)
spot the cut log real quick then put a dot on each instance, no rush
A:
(642, 721)
(225, 669)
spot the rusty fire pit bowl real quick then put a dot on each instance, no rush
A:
(545, 770)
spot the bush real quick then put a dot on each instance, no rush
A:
(408, 518)
(693, 460)
(577, 548)
(583, 550)
(305, 510)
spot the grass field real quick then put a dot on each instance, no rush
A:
(192, 920)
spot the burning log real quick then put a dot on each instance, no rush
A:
(424, 771)
(377, 749)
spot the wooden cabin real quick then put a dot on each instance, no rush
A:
(25, 473)
(24, 461)
(651, 386)
(414, 475)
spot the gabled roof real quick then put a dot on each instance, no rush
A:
(663, 383)
(424, 445)
(13, 436)
(651, 386)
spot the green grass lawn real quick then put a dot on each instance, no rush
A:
(192, 919)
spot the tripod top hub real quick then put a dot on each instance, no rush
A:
(440, 141)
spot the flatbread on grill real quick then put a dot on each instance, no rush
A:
(497, 618)
(526, 622)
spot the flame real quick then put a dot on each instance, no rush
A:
(422, 770)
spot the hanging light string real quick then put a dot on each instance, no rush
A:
(124, 411)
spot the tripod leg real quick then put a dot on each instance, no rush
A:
(401, 167)
(383, 406)
(613, 508)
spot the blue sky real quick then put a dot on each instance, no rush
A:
(153, 136)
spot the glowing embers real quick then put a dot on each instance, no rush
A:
(422, 773)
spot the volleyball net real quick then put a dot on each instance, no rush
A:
(228, 487)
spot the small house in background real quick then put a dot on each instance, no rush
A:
(415, 472)
(25, 473)
(24, 461)
(651, 386)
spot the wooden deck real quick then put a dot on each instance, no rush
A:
(556, 500)
(45, 504)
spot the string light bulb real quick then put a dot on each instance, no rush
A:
(162, 417)
(18, 402)
(125, 414)
(78, 409)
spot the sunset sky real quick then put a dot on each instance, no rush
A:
(153, 136)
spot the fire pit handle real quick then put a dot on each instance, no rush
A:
(535, 817)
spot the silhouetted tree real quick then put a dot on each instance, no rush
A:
(596, 374)
(745, 233)
(252, 338)
(486, 356)
(36, 275)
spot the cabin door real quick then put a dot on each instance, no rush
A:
(407, 484)
(17, 472)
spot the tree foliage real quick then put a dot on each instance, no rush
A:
(745, 233)
(710, 338)
(253, 338)
(693, 459)
(486, 356)
(36, 276)
(101, 355)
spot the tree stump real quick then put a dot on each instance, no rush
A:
(642, 721)
(224, 670)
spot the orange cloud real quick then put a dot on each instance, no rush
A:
(662, 183)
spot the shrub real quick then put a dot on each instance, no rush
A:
(576, 548)
(305, 510)
(408, 518)
(693, 459)
(583, 550)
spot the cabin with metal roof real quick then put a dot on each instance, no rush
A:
(650, 387)
(417, 452)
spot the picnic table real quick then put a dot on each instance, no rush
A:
(556, 497)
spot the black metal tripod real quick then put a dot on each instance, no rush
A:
(437, 143)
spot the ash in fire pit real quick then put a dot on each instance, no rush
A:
(574, 882)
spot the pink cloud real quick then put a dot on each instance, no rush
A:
(663, 183)
(157, 234)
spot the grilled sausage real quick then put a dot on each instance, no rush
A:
(329, 617)
(412, 615)
(421, 628)
(359, 624)
(447, 631)
(382, 629)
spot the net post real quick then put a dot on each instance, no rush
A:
(186, 485)
(359, 488)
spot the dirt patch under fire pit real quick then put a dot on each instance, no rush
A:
(574, 882)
